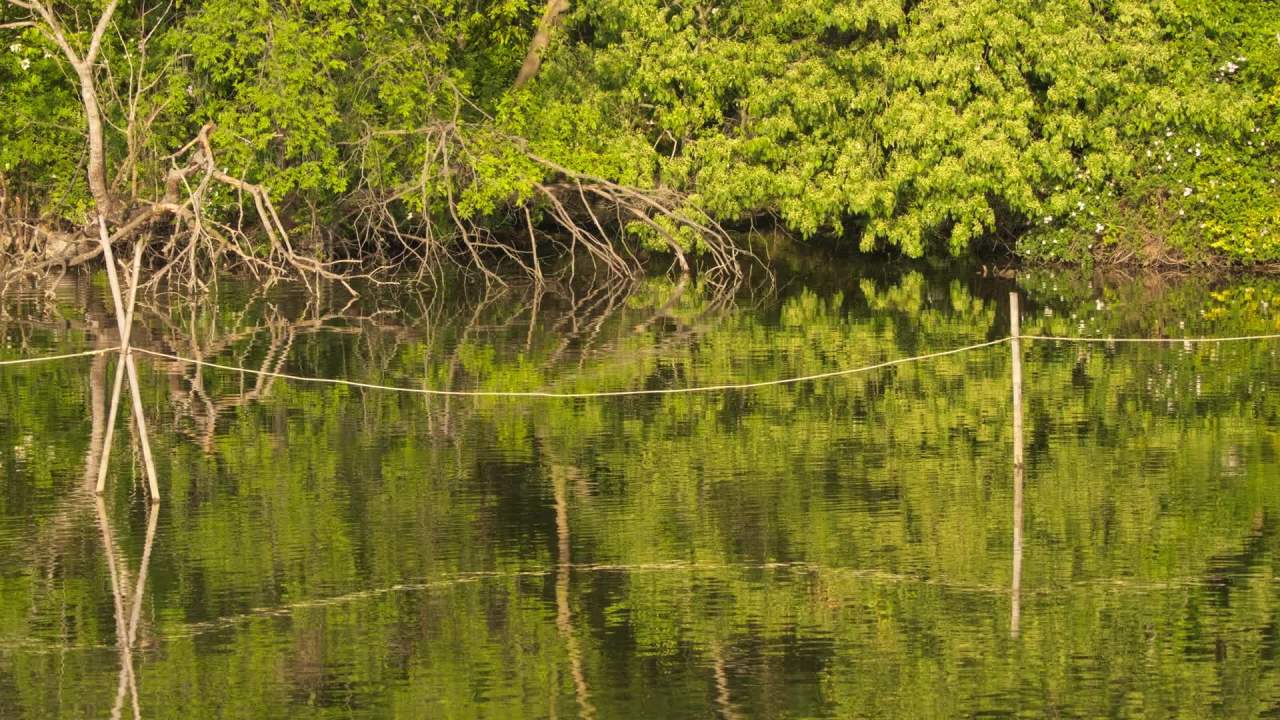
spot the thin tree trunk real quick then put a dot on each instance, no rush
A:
(97, 170)
(83, 65)
(541, 39)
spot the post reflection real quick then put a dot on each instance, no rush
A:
(564, 614)
(128, 602)
(1015, 590)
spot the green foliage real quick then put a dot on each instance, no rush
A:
(40, 117)
(932, 127)
(1202, 181)
(272, 73)
(935, 126)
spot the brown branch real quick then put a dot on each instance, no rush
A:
(551, 15)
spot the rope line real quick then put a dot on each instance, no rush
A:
(51, 358)
(575, 395)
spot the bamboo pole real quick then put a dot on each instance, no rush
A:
(120, 371)
(124, 321)
(1015, 329)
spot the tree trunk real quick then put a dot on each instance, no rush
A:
(97, 170)
(533, 59)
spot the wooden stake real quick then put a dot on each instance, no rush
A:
(1015, 329)
(119, 379)
(123, 321)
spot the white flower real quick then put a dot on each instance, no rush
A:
(1048, 219)
(16, 47)
(1186, 191)
(25, 63)
(1099, 228)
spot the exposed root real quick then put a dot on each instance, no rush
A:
(196, 240)
(570, 216)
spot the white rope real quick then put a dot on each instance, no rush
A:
(1150, 340)
(51, 358)
(572, 395)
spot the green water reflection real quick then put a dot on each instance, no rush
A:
(841, 548)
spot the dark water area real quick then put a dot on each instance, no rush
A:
(840, 548)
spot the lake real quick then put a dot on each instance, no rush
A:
(837, 548)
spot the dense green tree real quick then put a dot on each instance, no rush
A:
(1127, 129)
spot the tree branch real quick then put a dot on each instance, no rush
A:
(95, 43)
(541, 39)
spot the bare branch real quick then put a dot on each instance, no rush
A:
(95, 42)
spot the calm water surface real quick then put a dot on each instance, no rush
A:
(834, 549)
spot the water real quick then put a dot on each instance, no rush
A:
(841, 548)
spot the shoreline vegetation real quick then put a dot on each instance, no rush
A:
(340, 140)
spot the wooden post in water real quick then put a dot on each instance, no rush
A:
(124, 321)
(1015, 330)
(105, 453)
